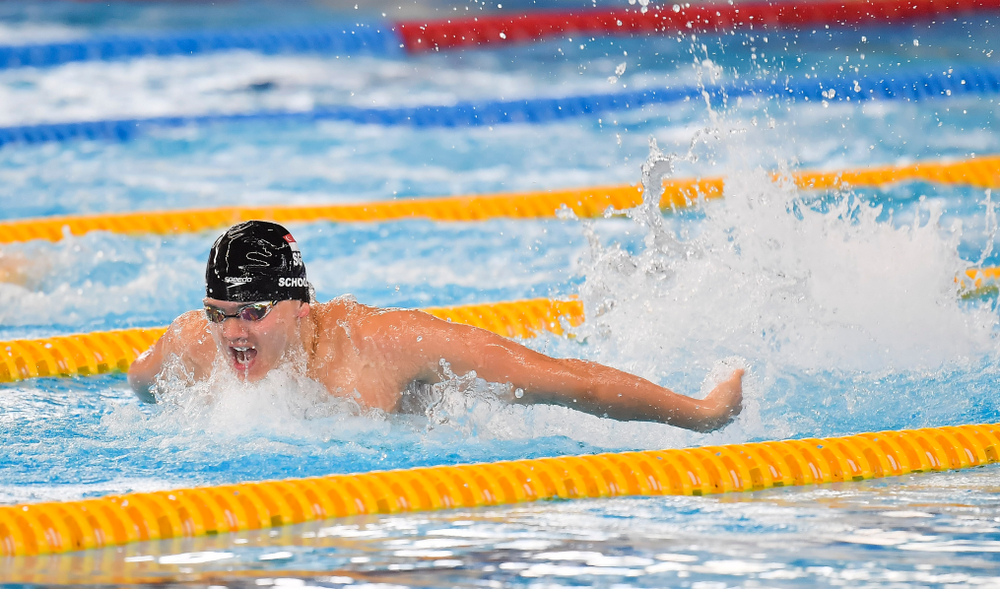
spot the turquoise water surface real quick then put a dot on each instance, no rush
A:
(842, 306)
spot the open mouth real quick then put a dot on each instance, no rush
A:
(243, 357)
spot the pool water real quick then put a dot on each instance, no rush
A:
(842, 306)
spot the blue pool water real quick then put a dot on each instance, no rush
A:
(843, 306)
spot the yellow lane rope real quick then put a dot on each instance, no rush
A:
(100, 352)
(981, 172)
(978, 280)
(57, 527)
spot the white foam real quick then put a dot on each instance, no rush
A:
(36, 493)
(777, 278)
(284, 406)
(783, 284)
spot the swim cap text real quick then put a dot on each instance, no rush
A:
(292, 282)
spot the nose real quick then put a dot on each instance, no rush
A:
(234, 328)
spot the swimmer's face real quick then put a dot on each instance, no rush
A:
(253, 348)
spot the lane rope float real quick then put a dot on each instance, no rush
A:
(668, 19)
(979, 281)
(109, 351)
(389, 38)
(343, 39)
(909, 86)
(591, 202)
(59, 527)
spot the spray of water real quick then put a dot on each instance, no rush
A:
(793, 285)
(991, 227)
(284, 405)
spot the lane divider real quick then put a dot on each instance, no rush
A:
(110, 351)
(389, 38)
(978, 283)
(909, 86)
(590, 202)
(335, 39)
(59, 527)
(701, 17)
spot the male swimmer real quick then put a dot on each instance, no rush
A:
(13, 268)
(258, 314)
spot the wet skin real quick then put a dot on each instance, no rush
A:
(14, 268)
(372, 354)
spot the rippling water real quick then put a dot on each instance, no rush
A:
(844, 307)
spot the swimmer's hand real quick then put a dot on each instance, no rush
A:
(723, 404)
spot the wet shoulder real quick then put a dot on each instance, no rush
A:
(341, 313)
(189, 324)
(361, 321)
(191, 328)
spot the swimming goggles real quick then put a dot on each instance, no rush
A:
(248, 312)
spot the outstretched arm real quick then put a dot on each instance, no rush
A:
(587, 386)
(187, 339)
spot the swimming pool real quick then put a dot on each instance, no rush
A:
(846, 314)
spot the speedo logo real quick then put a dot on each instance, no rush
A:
(237, 279)
(290, 282)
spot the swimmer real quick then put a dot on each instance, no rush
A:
(258, 313)
(14, 268)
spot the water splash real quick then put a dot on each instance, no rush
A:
(284, 405)
(990, 227)
(798, 285)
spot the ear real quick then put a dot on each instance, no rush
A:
(303, 311)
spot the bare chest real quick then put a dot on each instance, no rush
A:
(347, 371)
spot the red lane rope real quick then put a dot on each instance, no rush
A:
(420, 36)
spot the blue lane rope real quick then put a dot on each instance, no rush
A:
(347, 39)
(912, 87)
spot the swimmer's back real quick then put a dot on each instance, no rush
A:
(356, 350)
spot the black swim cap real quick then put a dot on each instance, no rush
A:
(256, 261)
